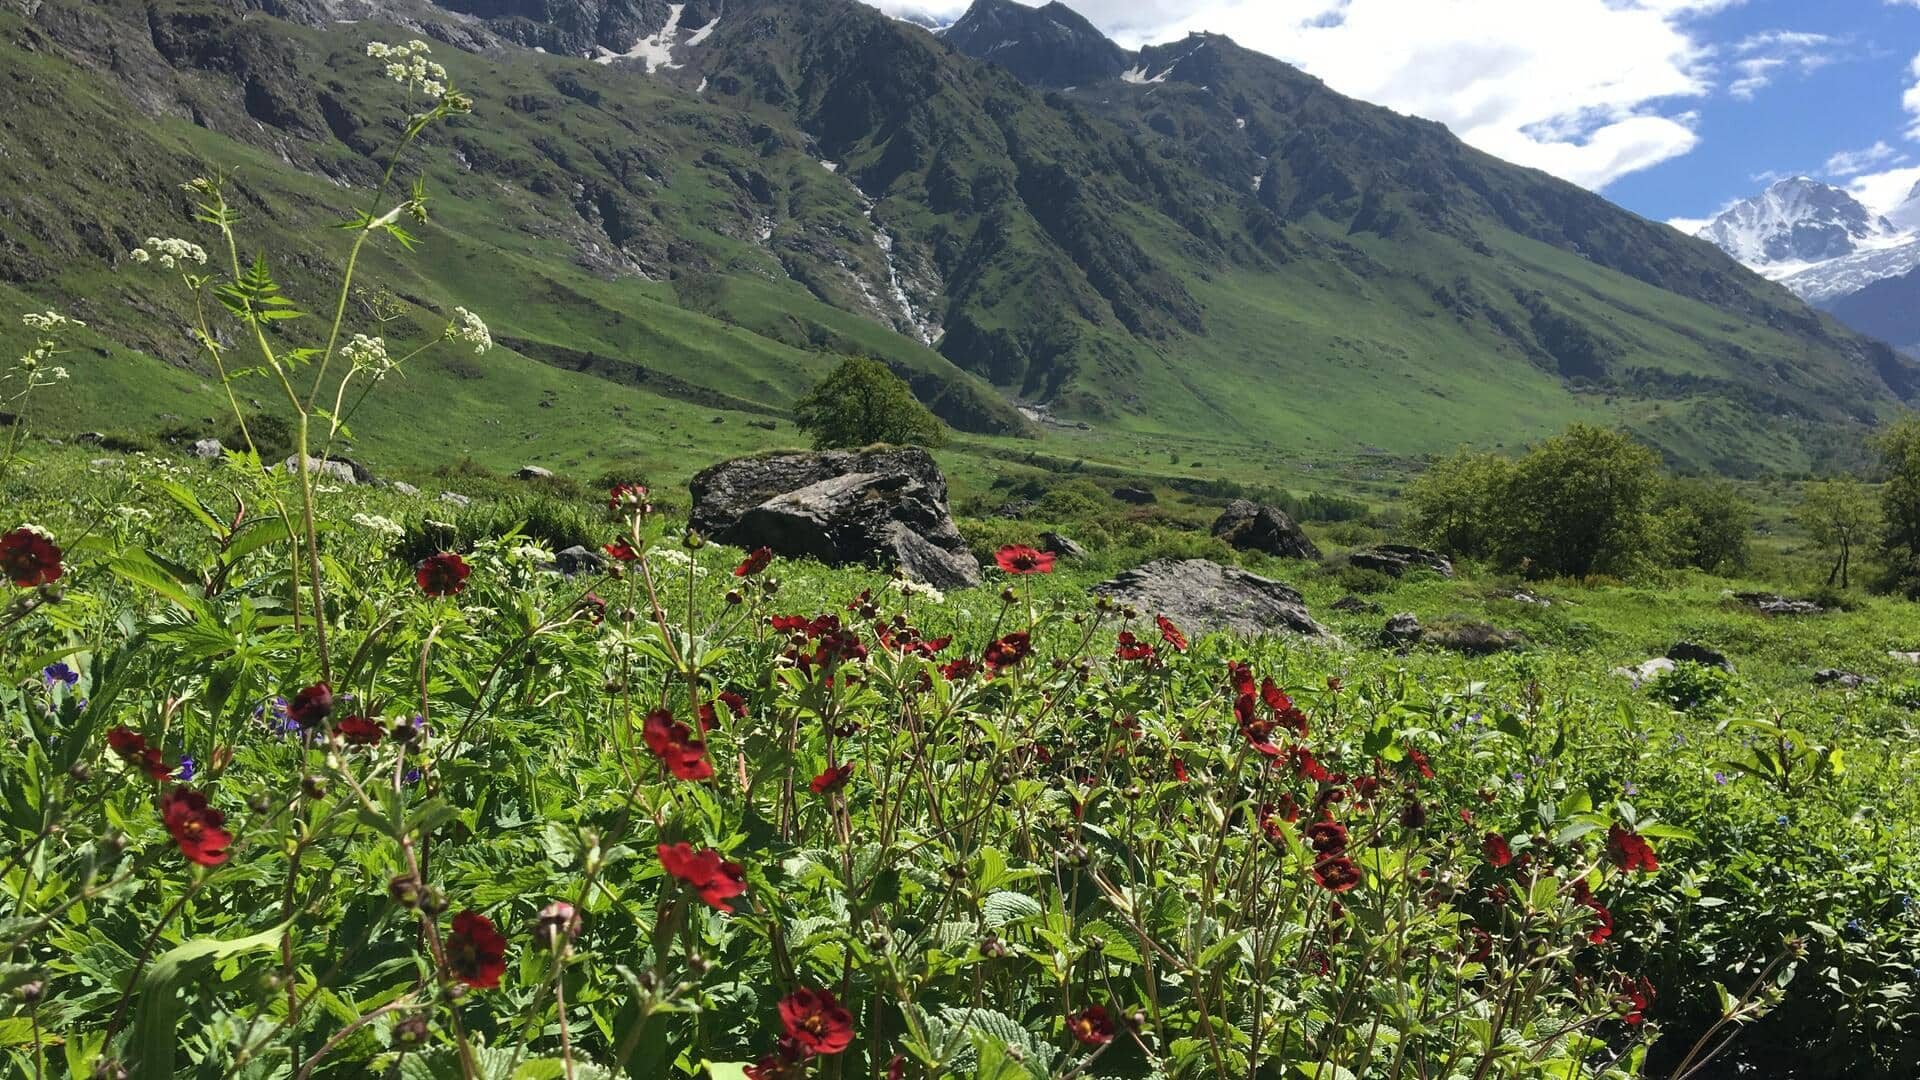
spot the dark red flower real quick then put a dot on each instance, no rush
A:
(1008, 651)
(29, 558)
(1603, 924)
(1630, 851)
(1336, 873)
(673, 743)
(1326, 837)
(1420, 762)
(1170, 633)
(957, 670)
(595, 606)
(476, 952)
(133, 749)
(621, 550)
(311, 706)
(1482, 949)
(359, 731)
(734, 703)
(1308, 767)
(712, 876)
(1636, 994)
(818, 1020)
(1091, 1026)
(628, 497)
(195, 826)
(444, 574)
(1132, 648)
(1020, 559)
(1179, 769)
(832, 780)
(756, 561)
(1496, 849)
(787, 1062)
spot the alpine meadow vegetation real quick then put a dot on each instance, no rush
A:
(305, 780)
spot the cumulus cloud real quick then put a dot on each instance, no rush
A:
(1854, 162)
(1912, 99)
(1589, 90)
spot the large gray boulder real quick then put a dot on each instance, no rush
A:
(1398, 560)
(1204, 597)
(884, 505)
(207, 449)
(338, 469)
(1250, 526)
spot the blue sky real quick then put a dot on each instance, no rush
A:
(1672, 108)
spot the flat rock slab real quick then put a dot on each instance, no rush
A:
(1399, 560)
(1204, 597)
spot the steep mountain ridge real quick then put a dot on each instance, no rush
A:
(1046, 46)
(1796, 222)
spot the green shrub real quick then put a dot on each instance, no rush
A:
(863, 402)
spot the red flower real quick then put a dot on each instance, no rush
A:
(621, 550)
(476, 952)
(956, 670)
(133, 749)
(756, 562)
(444, 574)
(29, 558)
(1336, 873)
(1091, 1026)
(734, 703)
(359, 731)
(1327, 837)
(311, 706)
(832, 780)
(628, 497)
(817, 1020)
(1170, 633)
(1420, 762)
(1637, 995)
(713, 877)
(595, 606)
(1132, 648)
(1008, 651)
(1482, 949)
(1603, 926)
(673, 743)
(1020, 559)
(1496, 849)
(1630, 851)
(788, 1062)
(1308, 767)
(1179, 769)
(195, 826)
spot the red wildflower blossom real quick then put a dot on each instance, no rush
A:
(1170, 633)
(1637, 995)
(1420, 762)
(195, 826)
(1179, 769)
(133, 749)
(1603, 925)
(1008, 651)
(1496, 849)
(1482, 949)
(444, 574)
(1308, 767)
(628, 497)
(787, 1062)
(476, 952)
(621, 550)
(1091, 1026)
(1132, 648)
(359, 731)
(29, 558)
(1630, 851)
(818, 1020)
(1327, 837)
(833, 779)
(756, 561)
(734, 703)
(1336, 873)
(673, 743)
(595, 606)
(311, 706)
(713, 877)
(1020, 559)
(957, 670)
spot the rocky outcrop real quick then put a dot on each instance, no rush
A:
(1846, 680)
(1205, 597)
(1055, 544)
(1402, 629)
(337, 469)
(1249, 526)
(1138, 496)
(208, 450)
(1692, 653)
(886, 506)
(1399, 560)
(1775, 604)
(533, 472)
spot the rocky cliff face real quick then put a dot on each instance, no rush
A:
(1046, 46)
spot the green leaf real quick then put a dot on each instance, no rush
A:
(1001, 908)
(156, 1019)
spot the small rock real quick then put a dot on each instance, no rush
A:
(208, 449)
(339, 470)
(533, 472)
(577, 560)
(1249, 526)
(1844, 679)
(1015, 509)
(456, 499)
(1907, 657)
(1138, 496)
(1403, 629)
(1775, 604)
(90, 437)
(1529, 598)
(405, 488)
(1054, 543)
(1646, 672)
(1354, 605)
(1475, 638)
(1398, 560)
(1689, 652)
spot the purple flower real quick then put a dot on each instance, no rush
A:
(413, 775)
(1629, 789)
(57, 674)
(1719, 777)
(185, 773)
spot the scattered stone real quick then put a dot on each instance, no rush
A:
(1775, 604)
(338, 469)
(1398, 560)
(405, 488)
(1054, 543)
(456, 499)
(1474, 638)
(1354, 605)
(1251, 527)
(886, 506)
(208, 450)
(1648, 671)
(1403, 629)
(1015, 509)
(1907, 657)
(533, 472)
(90, 437)
(1689, 652)
(1204, 596)
(1529, 598)
(577, 560)
(1846, 680)
(1138, 496)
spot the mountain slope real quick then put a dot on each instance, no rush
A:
(1208, 256)
(1888, 309)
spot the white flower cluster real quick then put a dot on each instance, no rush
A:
(382, 526)
(367, 354)
(35, 365)
(49, 322)
(36, 530)
(408, 65)
(169, 253)
(676, 558)
(909, 587)
(467, 329)
(134, 513)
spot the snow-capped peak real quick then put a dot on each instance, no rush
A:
(1797, 223)
(1907, 214)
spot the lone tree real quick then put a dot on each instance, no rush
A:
(864, 402)
(1840, 516)
(1899, 448)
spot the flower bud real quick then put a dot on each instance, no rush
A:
(1008, 596)
(559, 926)
(432, 900)
(31, 993)
(411, 1033)
(692, 541)
(404, 889)
(314, 787)
(80, 772)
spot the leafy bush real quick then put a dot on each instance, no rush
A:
(863, 402)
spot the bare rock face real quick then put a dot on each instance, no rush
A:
(886, 506)
(337, 469)
(1249, 526)
(1206, 597)
(1398, 560)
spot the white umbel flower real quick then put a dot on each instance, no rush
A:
(368, 354)
(170, 252)
(467, 329)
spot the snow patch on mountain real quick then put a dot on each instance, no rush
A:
(1796, 224)
(654, 52)
(1826, 282)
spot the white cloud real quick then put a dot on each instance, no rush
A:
(1690, 226)
(1585, 89)
(1912, 99)
(1854, 162)
(1881, 192)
